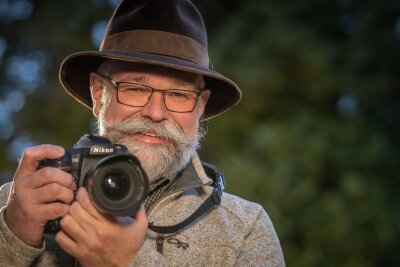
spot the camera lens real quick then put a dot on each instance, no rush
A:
(115, 185)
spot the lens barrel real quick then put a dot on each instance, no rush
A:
(118, 184)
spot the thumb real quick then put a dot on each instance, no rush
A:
(141, 219)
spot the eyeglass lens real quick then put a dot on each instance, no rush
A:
(139, 95)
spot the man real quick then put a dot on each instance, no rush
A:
(150, 85)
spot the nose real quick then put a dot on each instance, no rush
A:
(155, 109)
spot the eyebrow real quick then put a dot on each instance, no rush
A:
(185, 85)
(137, 79)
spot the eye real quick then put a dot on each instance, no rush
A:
(176, 94)
(134, 90)
(180, 95)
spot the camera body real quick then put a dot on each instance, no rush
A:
(114, 178)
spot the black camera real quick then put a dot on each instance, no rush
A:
(113, 177)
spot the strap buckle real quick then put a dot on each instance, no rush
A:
(219, 186)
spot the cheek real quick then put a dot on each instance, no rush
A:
(117, 112)
(188, 123)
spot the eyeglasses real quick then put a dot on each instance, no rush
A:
(138, 95)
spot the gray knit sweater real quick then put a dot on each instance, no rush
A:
(236, 233)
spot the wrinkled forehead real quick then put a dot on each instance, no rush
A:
(111, 68)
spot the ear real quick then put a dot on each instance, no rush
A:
(204, 96)
(96, 91)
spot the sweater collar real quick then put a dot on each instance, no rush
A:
(192, 176)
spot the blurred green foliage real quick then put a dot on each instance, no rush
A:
(315, 139)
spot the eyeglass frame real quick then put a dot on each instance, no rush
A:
(116, 84)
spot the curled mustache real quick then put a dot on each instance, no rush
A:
(164, 129)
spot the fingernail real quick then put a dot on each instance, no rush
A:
(59, 150)
(73, 183)
(81, 194)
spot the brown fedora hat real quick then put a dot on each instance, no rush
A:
(168, 33)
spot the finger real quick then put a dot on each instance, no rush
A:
(141, 219)
(81, 216)
(52, 211)
(50, 175)
(66, 243)
(86, 203)
(72, 228)
(53, 192)
(32, 155)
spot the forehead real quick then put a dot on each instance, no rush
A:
(141, 72)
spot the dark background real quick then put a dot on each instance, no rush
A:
(315, 139)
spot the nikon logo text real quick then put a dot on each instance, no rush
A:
(101, 150)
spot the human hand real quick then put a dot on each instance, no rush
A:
(38, 196)
(96, 239)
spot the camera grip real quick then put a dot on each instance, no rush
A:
(52, 227)
(63, 163)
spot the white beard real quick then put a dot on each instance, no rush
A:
(160, 161)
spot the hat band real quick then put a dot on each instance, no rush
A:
(157, 42)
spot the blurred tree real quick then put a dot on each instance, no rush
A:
(35, 45)
(314, 140)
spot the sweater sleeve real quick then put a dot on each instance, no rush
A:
(13, 251)
(261, 246)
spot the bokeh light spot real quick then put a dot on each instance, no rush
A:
(15, 10)
(98, 30)
(18, 145)
(347, 105)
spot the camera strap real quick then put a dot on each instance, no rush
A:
(213, 200)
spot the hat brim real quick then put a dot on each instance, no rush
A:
(76, 68)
